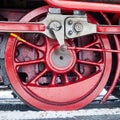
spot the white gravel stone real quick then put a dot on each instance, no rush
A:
(17, 115)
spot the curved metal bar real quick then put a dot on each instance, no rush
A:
(116, 75)
(87, 6)
(115, 80)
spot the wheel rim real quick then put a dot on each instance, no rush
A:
(43, 82)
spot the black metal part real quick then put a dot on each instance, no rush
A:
(3, 73)
(105, 1)
(21, 4)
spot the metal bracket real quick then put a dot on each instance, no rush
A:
(63, 27)
(78, 27)
(56, 28)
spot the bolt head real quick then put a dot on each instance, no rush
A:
(55, 25)
(70, 32)
(70, 22)
(78, 27)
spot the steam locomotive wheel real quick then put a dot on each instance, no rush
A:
(50, 79)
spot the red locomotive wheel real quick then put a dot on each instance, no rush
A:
(50, 79)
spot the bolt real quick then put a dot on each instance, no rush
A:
(63, 48)
(77, 12)
(55, 25)
(70, 22)
(78, 27)
(54, 10)
(70, 32)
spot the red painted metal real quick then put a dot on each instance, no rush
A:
(116, 76)
(117, 72)
(108, 29)
(40, 80)
(94, 49)
(21, 27)
(115, 18)
(87, 6)
(85, 75)
(37, 27)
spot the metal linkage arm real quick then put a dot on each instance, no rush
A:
(22, 27)
(108, 29)
(38, 28)
(60, 27)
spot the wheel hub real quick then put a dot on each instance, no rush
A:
(62, 61)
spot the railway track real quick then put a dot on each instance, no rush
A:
(16, 104)
(9, 103)
(14, 109)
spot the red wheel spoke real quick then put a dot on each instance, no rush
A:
(89, 63)
(77, 73)
(29, 62)
(40, 48)
(53, 82)
(33, 81)
(66, 78)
